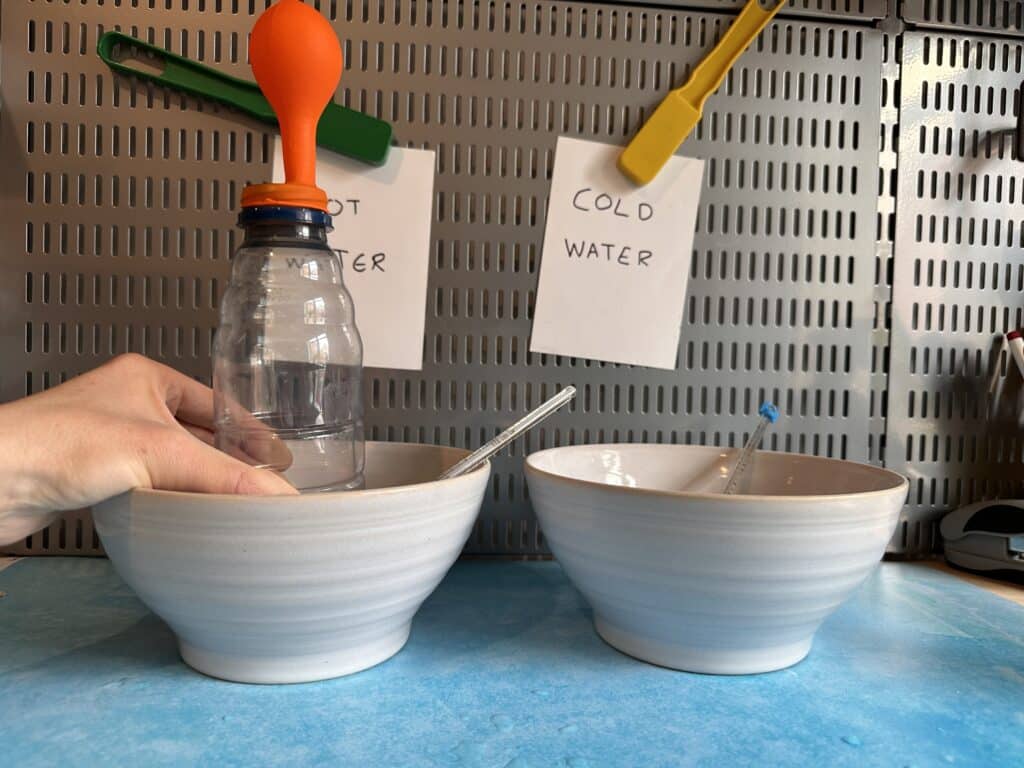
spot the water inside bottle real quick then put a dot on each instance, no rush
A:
(314, 437)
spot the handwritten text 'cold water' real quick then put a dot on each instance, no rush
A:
(602, 203)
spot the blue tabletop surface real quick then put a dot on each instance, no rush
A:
(504, 669)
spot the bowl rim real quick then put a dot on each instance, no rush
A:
(362, 493)
(902, 486)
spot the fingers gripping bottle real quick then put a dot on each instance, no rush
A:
(288, 358)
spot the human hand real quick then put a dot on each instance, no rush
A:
(132, 423)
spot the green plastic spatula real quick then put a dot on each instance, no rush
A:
(342, 130)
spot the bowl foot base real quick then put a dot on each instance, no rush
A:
(294, 669)
(708, 661)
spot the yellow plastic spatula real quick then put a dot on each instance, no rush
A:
(676, 116)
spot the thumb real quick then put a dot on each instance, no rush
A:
(178, 461)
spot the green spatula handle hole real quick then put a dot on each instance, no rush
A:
(143, 62)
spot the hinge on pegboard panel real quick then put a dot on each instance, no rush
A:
(893, 23)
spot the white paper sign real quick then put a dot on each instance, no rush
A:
(382, 233)
(616, 258)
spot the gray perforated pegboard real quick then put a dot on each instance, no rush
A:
(121, 238)
(829, 9)
(1004, 17)
(885, 230)
(959, 278)
(117, 202)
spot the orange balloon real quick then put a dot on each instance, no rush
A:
(296, 59)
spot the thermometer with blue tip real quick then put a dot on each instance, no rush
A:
(769, 415)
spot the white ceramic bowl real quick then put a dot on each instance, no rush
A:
(293, 589)
(696, 580)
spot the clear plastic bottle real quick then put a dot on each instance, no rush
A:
(288, 358)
